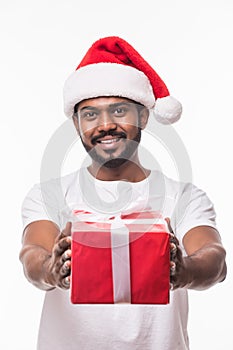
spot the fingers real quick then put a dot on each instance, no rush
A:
(176, 264)
(174, 239)
(65, 263)
(173, 258)
(175, 254)
(66, 255)
(62, 262)
(65, 268)
(59, 268)
(62, 245)
(173, 248)
(172, 268)
(176, 260)
(66, 282)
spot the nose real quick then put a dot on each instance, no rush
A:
(106, 122)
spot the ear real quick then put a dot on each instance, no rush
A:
(143, 117)
(75, 121)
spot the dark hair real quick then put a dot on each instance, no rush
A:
(76, 108)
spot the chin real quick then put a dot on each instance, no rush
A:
(114, 163)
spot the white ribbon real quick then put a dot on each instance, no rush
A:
(120, 263)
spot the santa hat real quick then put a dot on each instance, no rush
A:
(112, 67)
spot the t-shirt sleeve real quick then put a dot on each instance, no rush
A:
(39, 205)
(193, 208)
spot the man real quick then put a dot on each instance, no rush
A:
(110, 97)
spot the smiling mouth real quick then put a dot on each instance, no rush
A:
(109, 141)
(108, 138)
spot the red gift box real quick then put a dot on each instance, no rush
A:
(123, 260)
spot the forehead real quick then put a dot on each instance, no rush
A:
(102, 101)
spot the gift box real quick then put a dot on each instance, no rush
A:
(124, 259)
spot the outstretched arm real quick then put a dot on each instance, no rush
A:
(204, 264)
(46, 254)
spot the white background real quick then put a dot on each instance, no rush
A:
(189, 43)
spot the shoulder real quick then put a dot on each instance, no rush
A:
(47, 199)
(63, 182)
(52, 191)
(173, 188)
(183, 189)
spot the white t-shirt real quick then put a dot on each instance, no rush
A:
(65, 326)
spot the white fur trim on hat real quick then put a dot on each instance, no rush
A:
(167, 110)
(107, 79)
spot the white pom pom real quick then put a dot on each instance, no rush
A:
(167, 110)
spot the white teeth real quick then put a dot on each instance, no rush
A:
(109, 141)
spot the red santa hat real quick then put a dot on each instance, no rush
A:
(112, 67)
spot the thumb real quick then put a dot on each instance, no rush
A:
(67, 230)
(168, 221)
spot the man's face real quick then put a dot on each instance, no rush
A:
(110, 128)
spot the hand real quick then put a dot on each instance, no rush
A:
(58, 266)
(177, 262)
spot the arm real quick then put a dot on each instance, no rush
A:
(204, 264)
(45, 255)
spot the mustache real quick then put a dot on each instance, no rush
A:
(107, 133)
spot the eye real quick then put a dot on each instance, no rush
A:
(89, 115)
(119, 111)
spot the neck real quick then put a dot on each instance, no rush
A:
(131, 171)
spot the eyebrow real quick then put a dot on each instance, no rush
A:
(110, 105)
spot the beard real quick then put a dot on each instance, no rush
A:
(115, 161)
